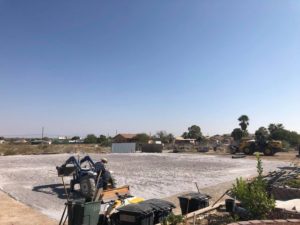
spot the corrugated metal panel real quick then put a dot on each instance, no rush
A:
(123, 147)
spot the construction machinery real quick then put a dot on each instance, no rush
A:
(114, 207)
(249, 146)
(84, 173)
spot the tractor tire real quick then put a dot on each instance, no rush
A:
(87, 187)
(268, 152)
(232, 151)
(248, 151)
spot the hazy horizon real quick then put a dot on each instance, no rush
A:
(81, 67)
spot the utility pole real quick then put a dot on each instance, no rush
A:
(42, 133)
(42, 136)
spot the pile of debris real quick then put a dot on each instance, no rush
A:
(284, 184)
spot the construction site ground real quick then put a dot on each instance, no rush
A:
(33, 183)
(13, 212)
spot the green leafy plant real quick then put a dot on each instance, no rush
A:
(254, 196)
(173, 219)
(293, 183)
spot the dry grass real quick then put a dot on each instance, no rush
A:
(27, 149)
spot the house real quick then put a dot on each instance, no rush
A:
(62, 138)
(124, 138)
(181, 140)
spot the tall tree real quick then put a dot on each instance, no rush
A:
(244, 123)
(194, 132)
(185, 135)
(90, 139)
(142, 138)
(273, 127)
(164, 137)
(262, 135)
(237, 134)
(171, 138)
(102, 139)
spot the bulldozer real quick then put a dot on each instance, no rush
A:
(249, 146)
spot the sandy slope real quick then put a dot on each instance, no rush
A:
(16, 213)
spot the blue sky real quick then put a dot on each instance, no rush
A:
(78, 67)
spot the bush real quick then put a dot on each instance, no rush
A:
(254, 196)
(293, 183)
(172, 219)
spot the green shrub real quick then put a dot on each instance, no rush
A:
(172, 219)
(254, 196)
(293, 183)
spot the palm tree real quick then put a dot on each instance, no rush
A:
(244, 122)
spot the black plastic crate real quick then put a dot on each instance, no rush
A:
(135, 214)
(161, 208)
(193, 201)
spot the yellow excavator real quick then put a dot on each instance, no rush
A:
(249, 146)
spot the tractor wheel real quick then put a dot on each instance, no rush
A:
(87, 187)
(268, 152)
(233, 149)
(248, 151)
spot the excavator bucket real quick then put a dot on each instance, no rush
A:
(63, 171)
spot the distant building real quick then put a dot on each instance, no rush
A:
(20, 141)
(39, 141)
(181, 140)
(62, 138)
(124, 138)
(154, 142)
(78, 141)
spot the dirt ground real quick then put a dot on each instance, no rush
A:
(33, 180)
(13, 212)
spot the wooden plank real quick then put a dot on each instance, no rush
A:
(112, 194)
(205, 210)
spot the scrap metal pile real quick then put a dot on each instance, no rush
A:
(279, 183)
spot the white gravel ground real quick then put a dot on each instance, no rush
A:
(33, 179)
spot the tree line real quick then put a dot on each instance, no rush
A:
(193, 132)
(272, 132)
